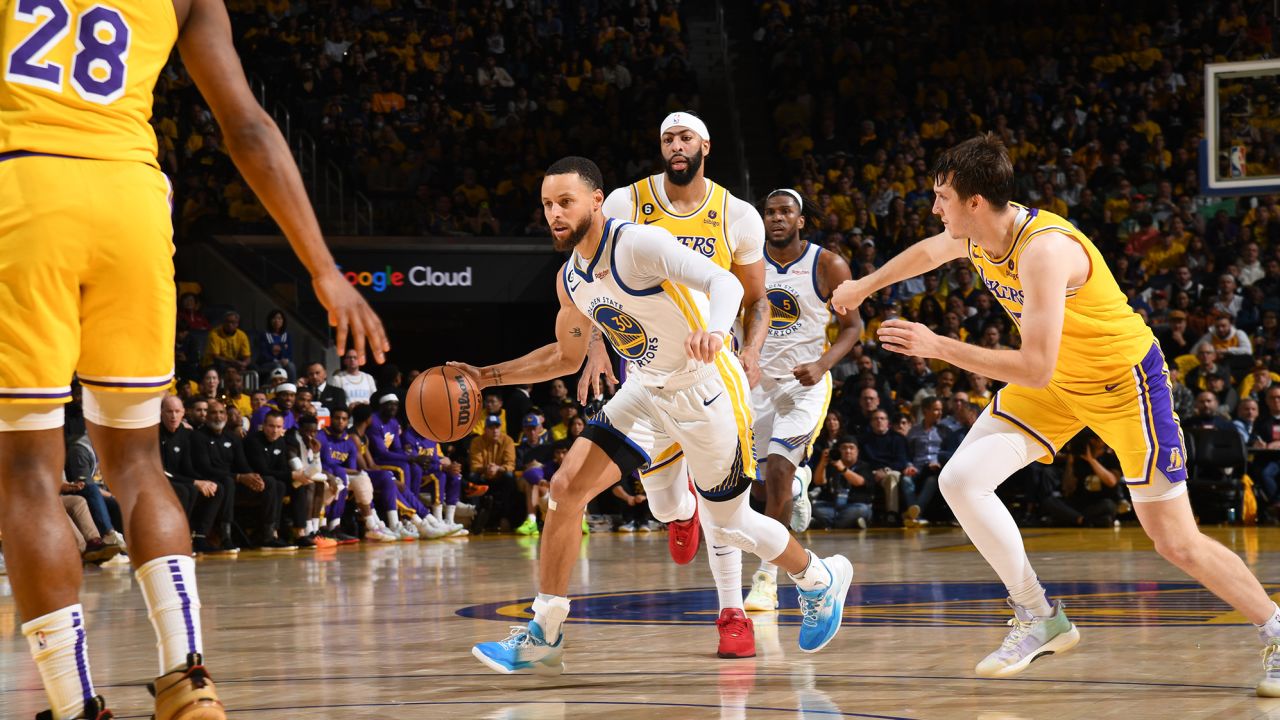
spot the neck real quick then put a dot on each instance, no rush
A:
(787, 253)
(690, 195)
(591, 241)
(995, 231)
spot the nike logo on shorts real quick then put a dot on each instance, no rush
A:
(1109, 388)
(650, 222)
(708, 402)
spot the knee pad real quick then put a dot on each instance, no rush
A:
(23, 417)
(122, 410)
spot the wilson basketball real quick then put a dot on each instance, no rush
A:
(442, 404)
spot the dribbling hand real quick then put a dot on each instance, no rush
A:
(703, 346)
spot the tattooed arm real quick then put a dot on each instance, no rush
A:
(560, 358)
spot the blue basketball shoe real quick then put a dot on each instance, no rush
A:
(524, 651)
(822, 610)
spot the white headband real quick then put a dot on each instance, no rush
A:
(792, 193)
(287, 387)
(684, 119)
(389, 397)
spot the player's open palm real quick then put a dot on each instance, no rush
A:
(703, 346)
(848, 295)
(907, 338)
(352, 316)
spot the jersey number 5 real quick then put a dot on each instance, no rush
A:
(98, 71)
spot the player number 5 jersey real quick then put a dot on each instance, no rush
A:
(798, 313)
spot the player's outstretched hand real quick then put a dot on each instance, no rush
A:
(907, 338)
(848, 295)
(703, 346)
(598, 365)
(474, 372)
(352, 316)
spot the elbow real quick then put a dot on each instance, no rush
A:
(1038, 379)
(246, 137)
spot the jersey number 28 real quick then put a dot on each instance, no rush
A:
(98, 70)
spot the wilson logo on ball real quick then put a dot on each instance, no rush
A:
(464, 400)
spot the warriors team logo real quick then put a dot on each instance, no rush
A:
(624, 333)
(785, 309)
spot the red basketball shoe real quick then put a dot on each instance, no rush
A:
(737, 634)
(683, 537)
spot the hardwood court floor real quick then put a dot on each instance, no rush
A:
(385, 632)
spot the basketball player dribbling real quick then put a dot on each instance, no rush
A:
(87, 275)
(1086, 360)
(791, 399)
(705, 217)
(667, 309)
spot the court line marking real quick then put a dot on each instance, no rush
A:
(633, 673)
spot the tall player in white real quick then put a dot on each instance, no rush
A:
(667, 309)
(791, 399)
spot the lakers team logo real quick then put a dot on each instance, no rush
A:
(784, 309)
(1175, 460)
(624, 333)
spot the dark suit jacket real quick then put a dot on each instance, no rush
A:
(332, 397)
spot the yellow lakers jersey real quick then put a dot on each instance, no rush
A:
(79, 74)
(704, 230)
(1101, 334)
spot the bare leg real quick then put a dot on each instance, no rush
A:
(1172, 527)
(585, 473)
(778, 475)
(39, 546)
(153, 520)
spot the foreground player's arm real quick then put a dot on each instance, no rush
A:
(262, 156)
(651, 255)
(916, 260)
(560, 358)
(832, 271)
(1046, 267)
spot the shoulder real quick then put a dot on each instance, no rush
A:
(738, 210)
(618, 204)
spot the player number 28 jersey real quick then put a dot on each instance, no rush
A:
(79, 76)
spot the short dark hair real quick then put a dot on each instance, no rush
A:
(272, 414)
(977, 166)
(585, 169)
(361, 413)
(847, 440)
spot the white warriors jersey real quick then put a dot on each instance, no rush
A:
(798, 313)
(645, 293)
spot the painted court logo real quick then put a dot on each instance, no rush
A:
(924, 604)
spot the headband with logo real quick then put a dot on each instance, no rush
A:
(684, 119)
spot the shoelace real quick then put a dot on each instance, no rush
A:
(1271, 658)
(809, 610)
(736, 626)
(1015, 636)
(519, 638)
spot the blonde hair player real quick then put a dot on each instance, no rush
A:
(707, 218)
(636, 285)
(1087, 360)
(86, 261)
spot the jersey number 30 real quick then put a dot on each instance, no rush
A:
(102, 43)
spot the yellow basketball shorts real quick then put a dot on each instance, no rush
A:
(86, 277)
(1132, 411)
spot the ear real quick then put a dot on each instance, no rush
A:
(597, 199)
(706, 148)
(800, 223)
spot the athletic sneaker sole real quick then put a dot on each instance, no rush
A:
(1058, 645)
(499, 667)
(838, 612)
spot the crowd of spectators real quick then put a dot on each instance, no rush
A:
(443, 113)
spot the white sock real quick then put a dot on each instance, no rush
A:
(173, 604)
(436, 510)
(550, 611)
(393, 519)
(531, 516)
(726, 568)
(815, 575)
(768, 567)
(448, 513)
(334, 523)
(59, 647)
(371, 521)
(1030, 595)
(1271, 628)
(796, 487)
